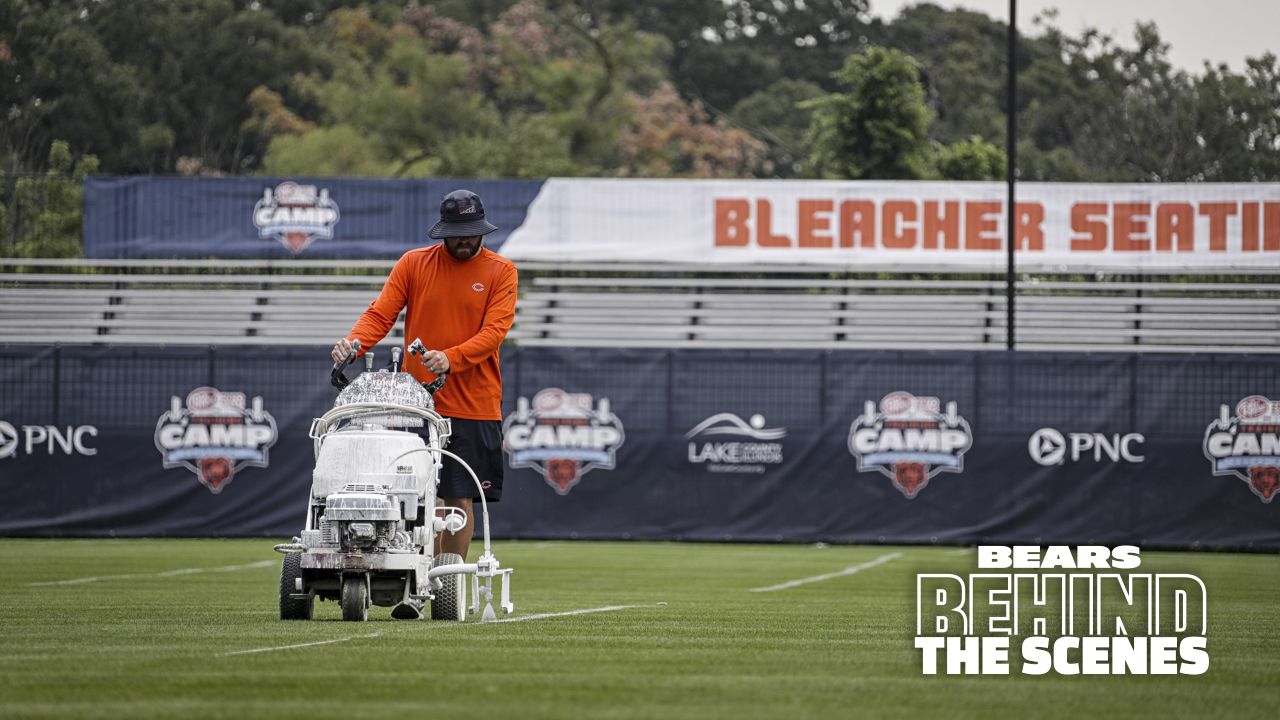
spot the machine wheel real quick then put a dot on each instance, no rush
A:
(355, 598)
(450, 602)
(290, 608)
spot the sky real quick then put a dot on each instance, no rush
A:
(1196, 30)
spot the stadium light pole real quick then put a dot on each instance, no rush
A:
(1011, 164)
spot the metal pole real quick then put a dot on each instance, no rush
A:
(1011, 159)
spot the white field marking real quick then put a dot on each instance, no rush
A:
(301, 645)
(585, 611)
(959, 551)
(166, 573)
(840, 573)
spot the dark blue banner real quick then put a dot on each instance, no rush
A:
(261, 217)
(845, 446)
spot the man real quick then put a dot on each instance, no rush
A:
(461, 300)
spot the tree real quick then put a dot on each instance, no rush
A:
(879, 127)
(1238, 117)
(779, 116)
(58, 81)
(972, 159)
(145, 82)
(962, 65)
(48, 215)
(536, 93)
(669, 137)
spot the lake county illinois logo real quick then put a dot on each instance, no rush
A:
(563, 436)
(1247, 446)
(909, 439)
(296, 215)
(214, 435)
(725, 443)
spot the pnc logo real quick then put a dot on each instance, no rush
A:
(27, 440)
(8, 440)
(1048, 446)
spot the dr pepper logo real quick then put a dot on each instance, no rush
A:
(296, 215)
(563, 436)
(909, 439)
(1247, 446)
(214, 435)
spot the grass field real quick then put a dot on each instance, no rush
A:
(158, 628)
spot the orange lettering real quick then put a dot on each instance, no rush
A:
(980, 225)
(764, 227)
(897, 212)
(811, 223)
(1029, 233)
(1129, 223)
(1249, 227)
(1218, 213)
(857, 218)
(1175, 220)
(731, 222)
(946, 224)
(1271, 217)
(1091, 234)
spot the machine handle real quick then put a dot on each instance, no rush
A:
(417, 348)
(336, 378)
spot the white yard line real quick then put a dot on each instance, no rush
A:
(539, 616)
(166, 573)
(960, 551)
(301, 645)
(840, 573)
(585, 611)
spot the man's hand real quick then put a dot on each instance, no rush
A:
(343, 350)
(436, 361)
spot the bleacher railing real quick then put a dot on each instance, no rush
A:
(305, 302)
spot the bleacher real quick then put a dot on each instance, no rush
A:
(602, 304)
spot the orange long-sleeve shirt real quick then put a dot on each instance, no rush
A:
(463, 307)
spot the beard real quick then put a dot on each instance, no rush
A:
(463, 248)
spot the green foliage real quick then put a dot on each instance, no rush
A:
(963, 67)
(780, 117)
(144, 82)
(541, 87)
(48, 207)
(879, 127)
(542, 92)
(972, 159)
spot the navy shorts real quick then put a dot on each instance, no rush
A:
(479, 443)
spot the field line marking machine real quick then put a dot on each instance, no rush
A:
(373, 519)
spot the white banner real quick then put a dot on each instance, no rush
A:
(889, 224)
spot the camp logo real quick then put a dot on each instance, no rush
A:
(1247, 446)
(563, 436)
(724, 443)
(214, 435)
(909, 439)
(296, 215)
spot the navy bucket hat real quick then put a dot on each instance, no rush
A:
(461, 215)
